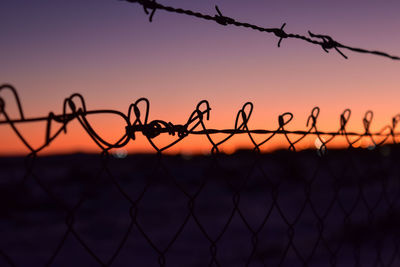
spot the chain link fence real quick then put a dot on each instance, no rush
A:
(311, 207)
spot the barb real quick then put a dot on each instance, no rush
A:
(137, 121)
(326, 42)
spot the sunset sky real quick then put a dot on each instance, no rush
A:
(108, 51)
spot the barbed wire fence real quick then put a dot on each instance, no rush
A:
(308, 208)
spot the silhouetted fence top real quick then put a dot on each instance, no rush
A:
(137, 121)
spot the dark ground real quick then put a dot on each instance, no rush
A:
(279, 209)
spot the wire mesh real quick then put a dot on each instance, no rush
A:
(320, 207)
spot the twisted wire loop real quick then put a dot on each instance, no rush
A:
(319, 207)
(326, 42)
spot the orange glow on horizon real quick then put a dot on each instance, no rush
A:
(76, 140)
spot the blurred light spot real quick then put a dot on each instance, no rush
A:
(368, 144)
(319, 145)
(371, 147)
(120, 153)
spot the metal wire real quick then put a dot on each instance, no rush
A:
(326, 42)
(303, 209)
(137, 121)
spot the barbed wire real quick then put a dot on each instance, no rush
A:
(326, 42)
(137, 121)
(334, 209)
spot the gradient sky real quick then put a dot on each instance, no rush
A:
(109, 52)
